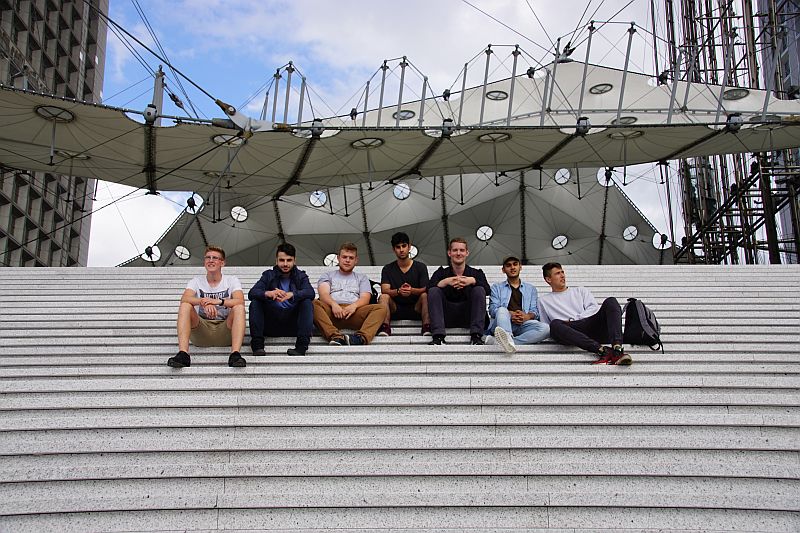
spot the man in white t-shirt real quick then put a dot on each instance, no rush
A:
(576, 320)
(343, 302)
(211, 312)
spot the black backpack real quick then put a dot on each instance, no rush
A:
(641, 326)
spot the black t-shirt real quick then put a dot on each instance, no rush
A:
(515, 301)
(417, 277)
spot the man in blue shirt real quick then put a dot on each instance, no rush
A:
(281, 304)
(514, 311)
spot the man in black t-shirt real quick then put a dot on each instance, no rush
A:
(404, 287)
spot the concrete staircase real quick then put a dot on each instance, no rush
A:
(98, 434)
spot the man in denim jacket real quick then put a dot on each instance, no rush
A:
(281, 304)
(514, 312)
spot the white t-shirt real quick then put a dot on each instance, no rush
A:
(573, 303)
(225, 288)
(345, 288)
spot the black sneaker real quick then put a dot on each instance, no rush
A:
(296, 351)
(357, 340)
(259, 351)
(236, 360)
(438, 340)
(180, 360)
(341, 340)
(475, 339)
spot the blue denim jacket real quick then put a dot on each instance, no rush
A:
(501, 294)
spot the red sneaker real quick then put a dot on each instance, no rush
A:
(619, 357)
(604, 356)
(385, 330)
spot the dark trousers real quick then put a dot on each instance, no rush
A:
(470, 312)
(268, 319)
(605, 326)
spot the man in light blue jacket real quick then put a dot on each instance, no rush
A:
(514, 311)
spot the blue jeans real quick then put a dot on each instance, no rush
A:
(268, 319)
(529, 332)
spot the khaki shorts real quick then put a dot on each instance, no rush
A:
(211, 333)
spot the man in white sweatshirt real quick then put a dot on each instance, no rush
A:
(576, 320)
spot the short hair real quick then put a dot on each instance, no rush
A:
(400, 238)
(286, 248)
(547, 267)
(214, 248)
(457, 239)
(348, 246)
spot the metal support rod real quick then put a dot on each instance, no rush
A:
(364, 113)
(585, 69)
(384, 68)
(523, 238)
(485, 82)
(289, 71)
(726, 60)
(770, 81)
(544, 96)
(302, 100)
(445, 224)
(689, 69)
(158, 95)
(631, 31)
(403, 65)
(578, 181)
(516, 54)
(555, 69)
(422, 101)
(675, 78)
(461, 100)
(770, 228)
(277, 77)
(666, 175)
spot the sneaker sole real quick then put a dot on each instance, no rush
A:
(175, 364)
(501, 338)
(383, 334)
(625, 360)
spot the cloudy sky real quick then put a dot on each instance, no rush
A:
(232, 48)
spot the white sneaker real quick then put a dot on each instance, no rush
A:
(489, 340)
(505, 339)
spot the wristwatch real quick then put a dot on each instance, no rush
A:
(222, 302)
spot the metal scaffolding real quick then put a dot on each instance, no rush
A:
(737, 208)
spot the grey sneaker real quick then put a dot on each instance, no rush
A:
(505, 339)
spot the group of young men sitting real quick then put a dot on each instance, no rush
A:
(283, 303)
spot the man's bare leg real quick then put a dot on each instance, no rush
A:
(235, 323)
(187, 321)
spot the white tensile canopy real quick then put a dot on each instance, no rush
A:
(474, 150)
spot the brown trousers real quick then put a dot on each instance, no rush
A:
(365, 321)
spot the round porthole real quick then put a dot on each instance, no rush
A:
(601, 178)
(661, 241)
(151, 254)
(182, 253)
(496, 95)
(331, 260)
(401, 191)
(600, 88)
(403, 114)
(630, 233)
(318, 198)
(412, 253)
(238, 213)
(560, 242)
(737, 93)
(562, 176)
(484, 233)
